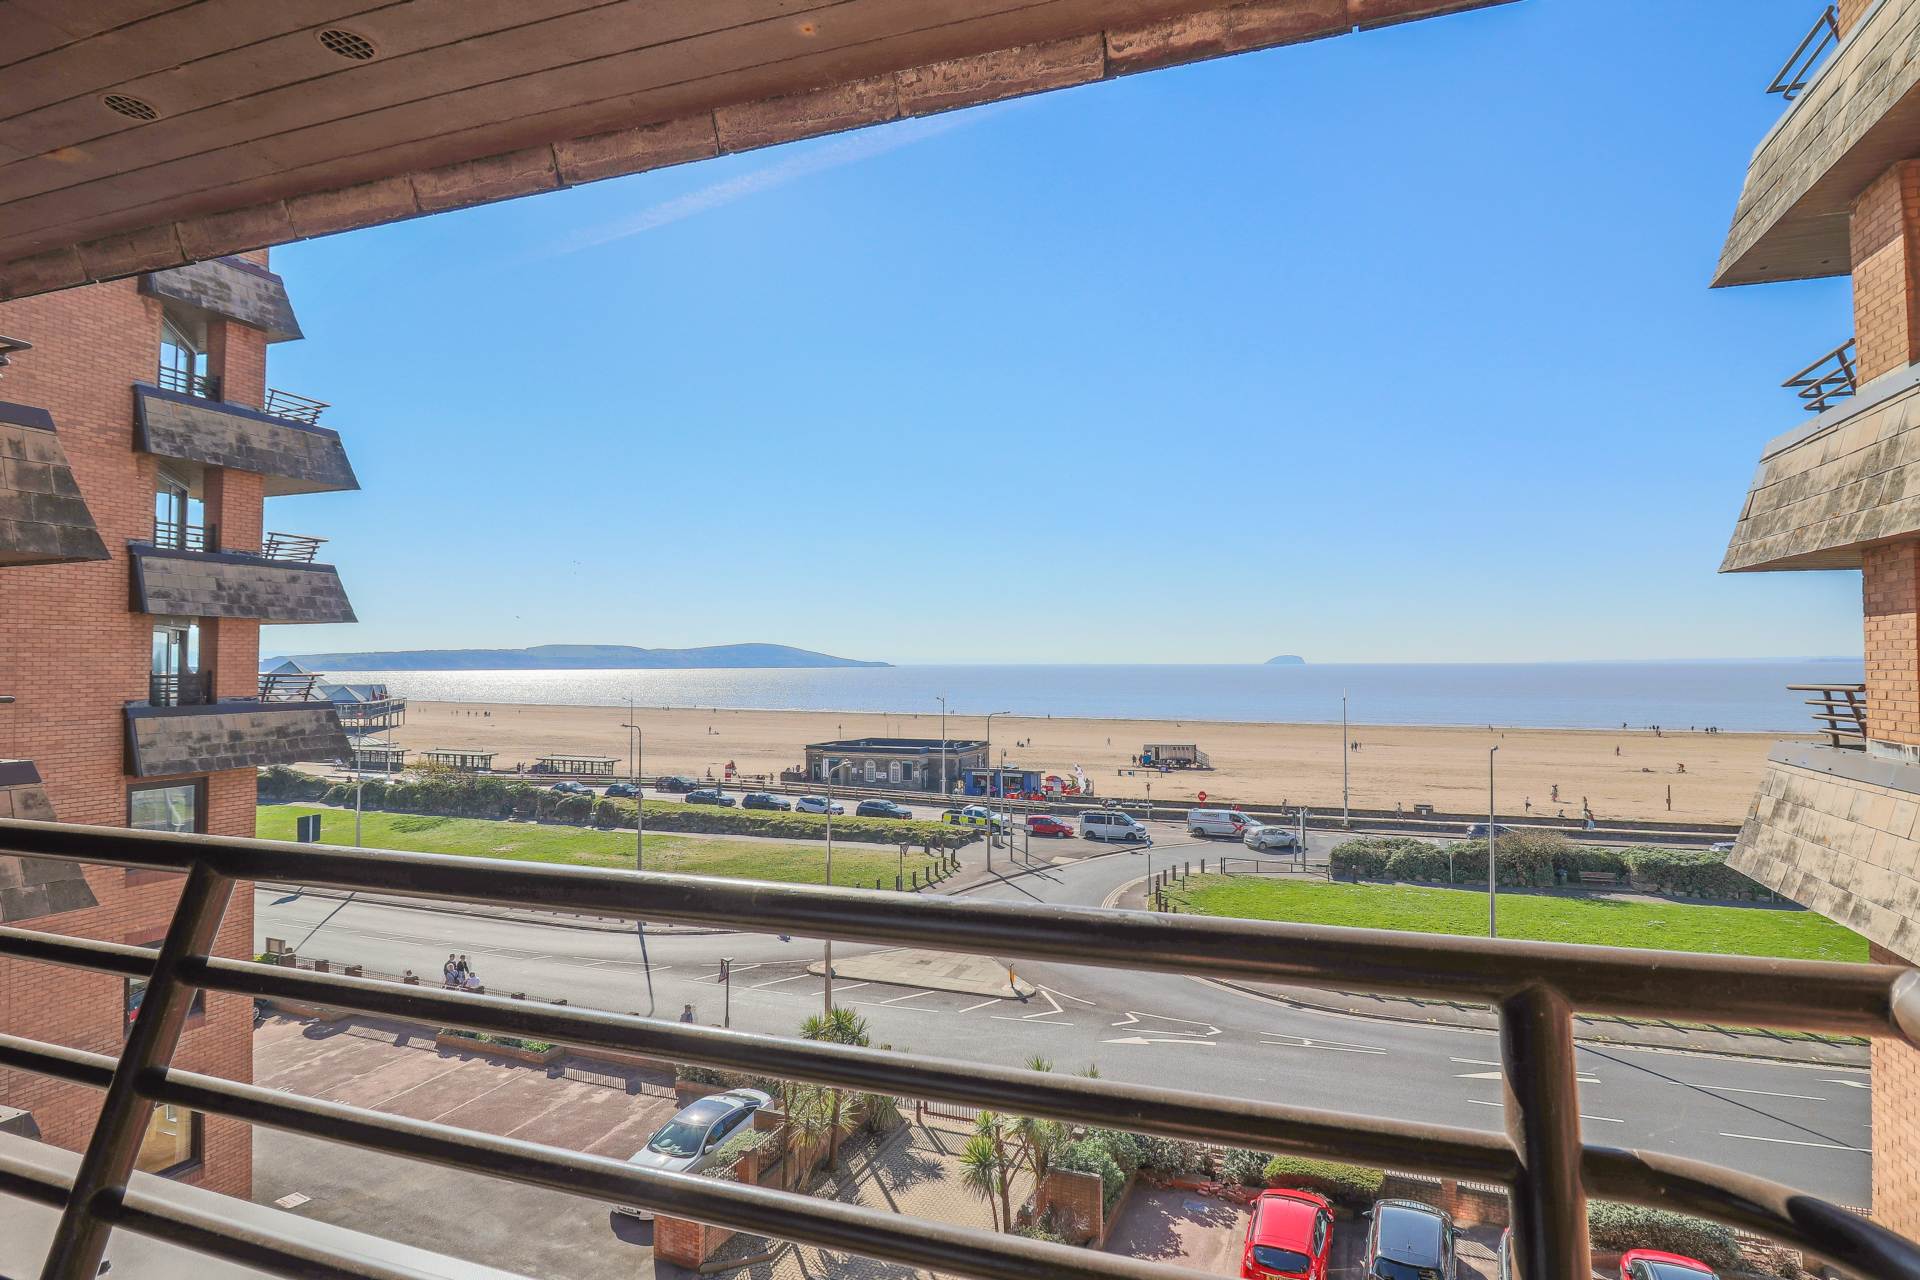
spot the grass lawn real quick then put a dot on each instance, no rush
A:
(855, 866)
(1672, 926)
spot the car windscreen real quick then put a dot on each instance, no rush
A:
(678, 1139)
(1388, 1269)
(1285, 1260)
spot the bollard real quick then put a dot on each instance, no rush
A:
(897, 886)
(916, 879)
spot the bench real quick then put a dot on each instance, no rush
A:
(1608, 878)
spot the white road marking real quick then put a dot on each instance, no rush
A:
(1718, 1088)
(1583, 1115)
(1204, 1044)
(851, 986)
(903, 999)
(983, 1004)
(777, 981)
(1044, 1013)
(1495, 1075)
(1795, 1142)
(1851, 1084)
(717, 978)
(1064, 996)
(1029, 1020)
(1133, 1019)
(1283, 1040)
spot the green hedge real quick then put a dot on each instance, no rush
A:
(472, 796)
(508, 1042)
(1352, 1185)
(1627, 1226)
(1091, 1156)
(1700, 874)
(281, 785)
(1537, 859)
(1366, 857)
(1241, 1167)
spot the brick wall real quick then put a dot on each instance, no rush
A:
(1850, 13)
(74, 653)
(1886, 261)
(1896, 1127)
(1890, 599)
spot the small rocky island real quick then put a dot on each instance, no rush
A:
(1287, 660)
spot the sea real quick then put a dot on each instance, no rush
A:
(1733, 696)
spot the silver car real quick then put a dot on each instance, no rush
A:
(686, 1143)
(1271, 838)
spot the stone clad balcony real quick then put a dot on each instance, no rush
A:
(43, 518)
(288, 448)
(231, 288)
(184, 572)
(235, 733)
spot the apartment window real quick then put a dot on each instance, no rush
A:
(179, 518)
(172, 1143)
(176, 678)
(173, 806)
(183, 360)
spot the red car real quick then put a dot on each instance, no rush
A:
(1652, 1264)
(1041, 825)
(1289, 1236)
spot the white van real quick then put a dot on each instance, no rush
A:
(1110, 824)
(1219, 822)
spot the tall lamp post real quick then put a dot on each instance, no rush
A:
(1346, 745)
(996, 787)
(637, 744)
(944, 788)
(827, 944)
(1493, 876)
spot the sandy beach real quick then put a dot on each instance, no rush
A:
(1621, 773)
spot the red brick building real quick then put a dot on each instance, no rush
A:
(138, 443)
(1835, 189)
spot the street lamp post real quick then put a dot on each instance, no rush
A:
(944, 788)
(997, 787)
(637, 743)
(828, 770)
(1493, 876)
(1346, 818)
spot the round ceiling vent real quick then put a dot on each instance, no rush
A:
(131, 108)
(348, 44)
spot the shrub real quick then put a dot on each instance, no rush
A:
(1124, 1148)
(280, 785)
(1089, 1155)
(1365, 858)
(1420, 861)
(1627, 1226)
(1347, 1184)
(1576, 858)
(1702, 874)
(1244, 1168)
(1171, 1155)
(505, 1042)
(1522, 859)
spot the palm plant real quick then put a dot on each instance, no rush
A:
(837, 1026)
(981, 1173)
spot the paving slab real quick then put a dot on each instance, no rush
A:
(934, 970)
(1203, 1233)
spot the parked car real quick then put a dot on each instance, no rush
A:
(1407, 1240)
(686, 1143)
(1721, 846)
(1041, 824)
(1289, 1235)
(708, 795)
(1111, 824)
(675, 785)
(571, 788)
(1652, 1264)
(974, 815)
(765, 800)
(1219, 822)
(819, 804)
(1478, 831)
(622, 791)
(881, 809)
(1263, 837)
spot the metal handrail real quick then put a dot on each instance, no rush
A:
(1798, 70)
(295, 548)
(180, 536)
(1535, 985)
(288, 686)
(180, 688)
(12, 347)
(1840, 710)
(1832, 377)
(204, 385)
(285, 404)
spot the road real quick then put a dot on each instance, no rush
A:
(1804, 1126)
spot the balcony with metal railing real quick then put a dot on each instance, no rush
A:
(1798, 70)
(1840, 710)
(201, 385)
(180, 689)
(181, 535)
(1828, 380)
(295, 408)
(1535, 987)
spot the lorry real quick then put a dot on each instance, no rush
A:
(1174, 755)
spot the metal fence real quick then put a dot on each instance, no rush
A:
(1831, 378)
(1798, 69)
(295, 408)
(1539, 1159)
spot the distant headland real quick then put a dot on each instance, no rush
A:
(1287, 660)
(582, 657)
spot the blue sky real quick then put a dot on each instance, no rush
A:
(1393, 347)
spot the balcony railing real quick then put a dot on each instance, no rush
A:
(1840, 710)
(1534, 986)
(11, 347)
(296, 548)
(180, 688)
(1793, 77)
(206, 386)
(179, 536)
(288, 686)
(285, 404)
(1830, 378)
